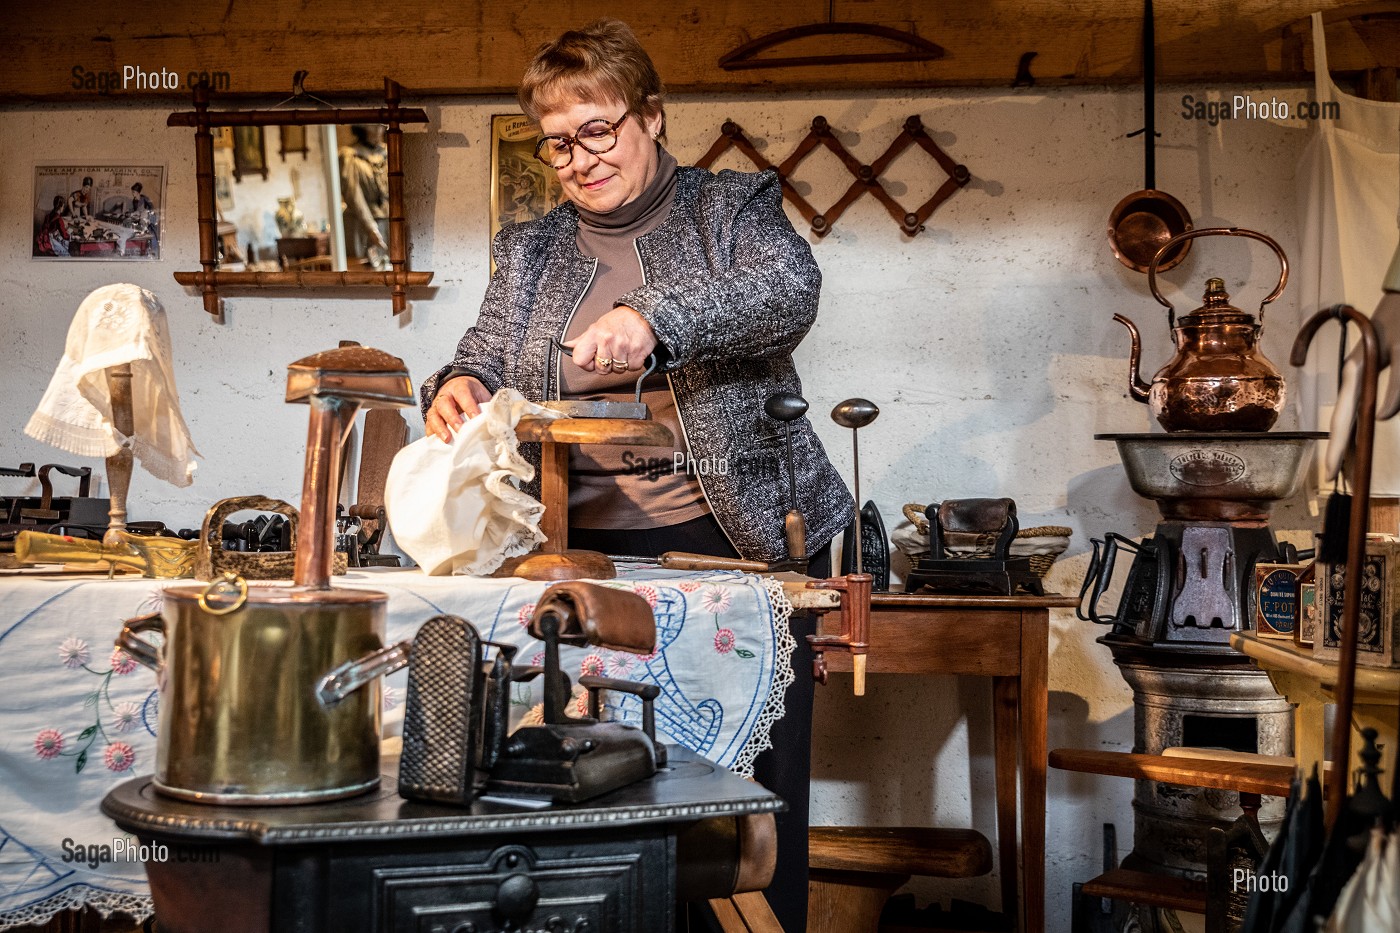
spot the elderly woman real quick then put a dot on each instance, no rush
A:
(644, 257)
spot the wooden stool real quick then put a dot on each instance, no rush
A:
(855, 869)
(555, 560)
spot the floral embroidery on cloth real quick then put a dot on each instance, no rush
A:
(109, 717)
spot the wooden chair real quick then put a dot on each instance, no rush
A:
(1242, 845)
(855, 869)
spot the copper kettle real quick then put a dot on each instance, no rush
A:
(1219, 380)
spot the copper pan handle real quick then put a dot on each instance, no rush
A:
(354, 674)
(1217, 231)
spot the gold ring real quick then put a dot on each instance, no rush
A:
(234, 589)
(602, 360)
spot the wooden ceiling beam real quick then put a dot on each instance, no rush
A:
(67, 52)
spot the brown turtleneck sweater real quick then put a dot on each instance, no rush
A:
(621, 487)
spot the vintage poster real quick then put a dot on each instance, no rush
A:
(97, 211)
(522, 187)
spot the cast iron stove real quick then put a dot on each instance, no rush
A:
(1189, 587)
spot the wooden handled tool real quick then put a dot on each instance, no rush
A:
(683, 560)
(119, 464)
(335, 384)
(785, 408)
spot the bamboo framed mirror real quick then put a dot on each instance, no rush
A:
(385, 264)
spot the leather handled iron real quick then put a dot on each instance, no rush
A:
(571, 758)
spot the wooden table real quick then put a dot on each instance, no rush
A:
(1005, 638)
(1308, 683)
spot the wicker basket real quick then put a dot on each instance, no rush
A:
(1043, 544)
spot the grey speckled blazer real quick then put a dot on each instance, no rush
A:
(731, 290)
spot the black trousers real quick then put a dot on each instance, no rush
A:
(786, 768)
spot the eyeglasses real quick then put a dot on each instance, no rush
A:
(595, 136)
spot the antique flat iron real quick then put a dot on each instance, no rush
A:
(571, 759)
(979, 523)
(635, 409)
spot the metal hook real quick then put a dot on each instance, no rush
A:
(299, 92)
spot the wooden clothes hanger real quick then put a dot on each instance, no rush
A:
(915, 48)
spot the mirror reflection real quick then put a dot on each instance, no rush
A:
(319, 200)
(364, 196)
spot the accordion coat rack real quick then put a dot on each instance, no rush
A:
(866, 177)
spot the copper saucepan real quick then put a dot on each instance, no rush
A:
(1146, 220)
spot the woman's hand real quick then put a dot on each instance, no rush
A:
(457, 399)
(618, 341)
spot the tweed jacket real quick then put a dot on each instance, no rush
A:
(730, 289)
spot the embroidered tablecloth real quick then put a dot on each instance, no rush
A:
(78, 716)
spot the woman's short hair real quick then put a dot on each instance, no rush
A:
(600, 61)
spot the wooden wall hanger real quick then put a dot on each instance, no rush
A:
(867, 177)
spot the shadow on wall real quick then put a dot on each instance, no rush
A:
(1102, 501)
(900, 721)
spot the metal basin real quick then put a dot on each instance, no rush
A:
(1216, 476)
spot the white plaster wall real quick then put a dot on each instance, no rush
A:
(986, 341)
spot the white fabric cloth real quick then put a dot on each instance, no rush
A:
(115, 325)
(1367, 903)
(1349, 194)
(453, 508)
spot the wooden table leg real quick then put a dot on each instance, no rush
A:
(1035, 701)
(1006, 704)
(1309, 700)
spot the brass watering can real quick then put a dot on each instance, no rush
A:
(1219, 379)
(240, 723)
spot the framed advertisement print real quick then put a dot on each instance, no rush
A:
(522, 187)
(97, 212)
